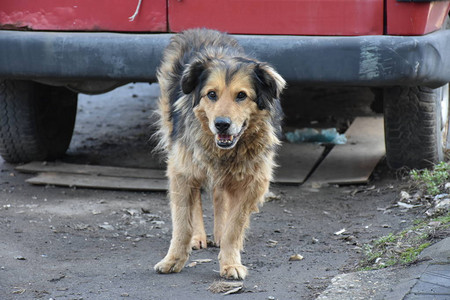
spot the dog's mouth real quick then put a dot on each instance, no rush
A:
(228, 141)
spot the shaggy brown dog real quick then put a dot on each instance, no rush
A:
(219, 119)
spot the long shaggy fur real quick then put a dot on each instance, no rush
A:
(219, 123)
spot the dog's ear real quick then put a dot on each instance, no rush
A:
(191, 76)
(269, 85)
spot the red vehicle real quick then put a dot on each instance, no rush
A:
(50, 51)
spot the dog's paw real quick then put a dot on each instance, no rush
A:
(170, 265)
(238, 272)
(199, 242)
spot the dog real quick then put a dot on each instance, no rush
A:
(219, 125)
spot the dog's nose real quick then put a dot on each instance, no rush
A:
(222, 124)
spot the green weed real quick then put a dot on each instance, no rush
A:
(410, 255)
(433, 180)
(403, 247)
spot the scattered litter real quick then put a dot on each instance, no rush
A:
(312, 135)
(106, 226)
(271, 197)
(158, 222)
(233, 291)
(441, 206)
(296, 257)
(80, 226)
(19, 291)
(96, 212)
(314, 240)
(19, 257)
(386, 226)
(434, 223)
(404, 196)
(202, 261)
(192, 264)
(444, 204)
(61, 276)
(318, 185)
(340, 231)
(226, 287)
(405, 205)
(272, 243)
(132, 212)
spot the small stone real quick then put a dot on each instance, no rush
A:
(158, 222)
(404, 196)
(340, 231)
(272, 243)
(296, 257)
(106, 226)
(270, 196)
(434, 223)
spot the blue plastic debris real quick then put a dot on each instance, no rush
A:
(311, 135)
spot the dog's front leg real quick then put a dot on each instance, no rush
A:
(183, 193)
(241, 204)
(199, 234)
(220, 214)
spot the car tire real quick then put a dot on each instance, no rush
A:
(36, 120)
(416, 126)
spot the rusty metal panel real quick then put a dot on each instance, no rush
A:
(84, 15)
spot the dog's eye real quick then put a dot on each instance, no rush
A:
(241, 96)
(212, 95)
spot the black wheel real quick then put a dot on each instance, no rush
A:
(416, 126)
(36, 120)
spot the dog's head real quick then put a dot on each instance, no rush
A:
(227, 93)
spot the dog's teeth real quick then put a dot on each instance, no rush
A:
(228, 140)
